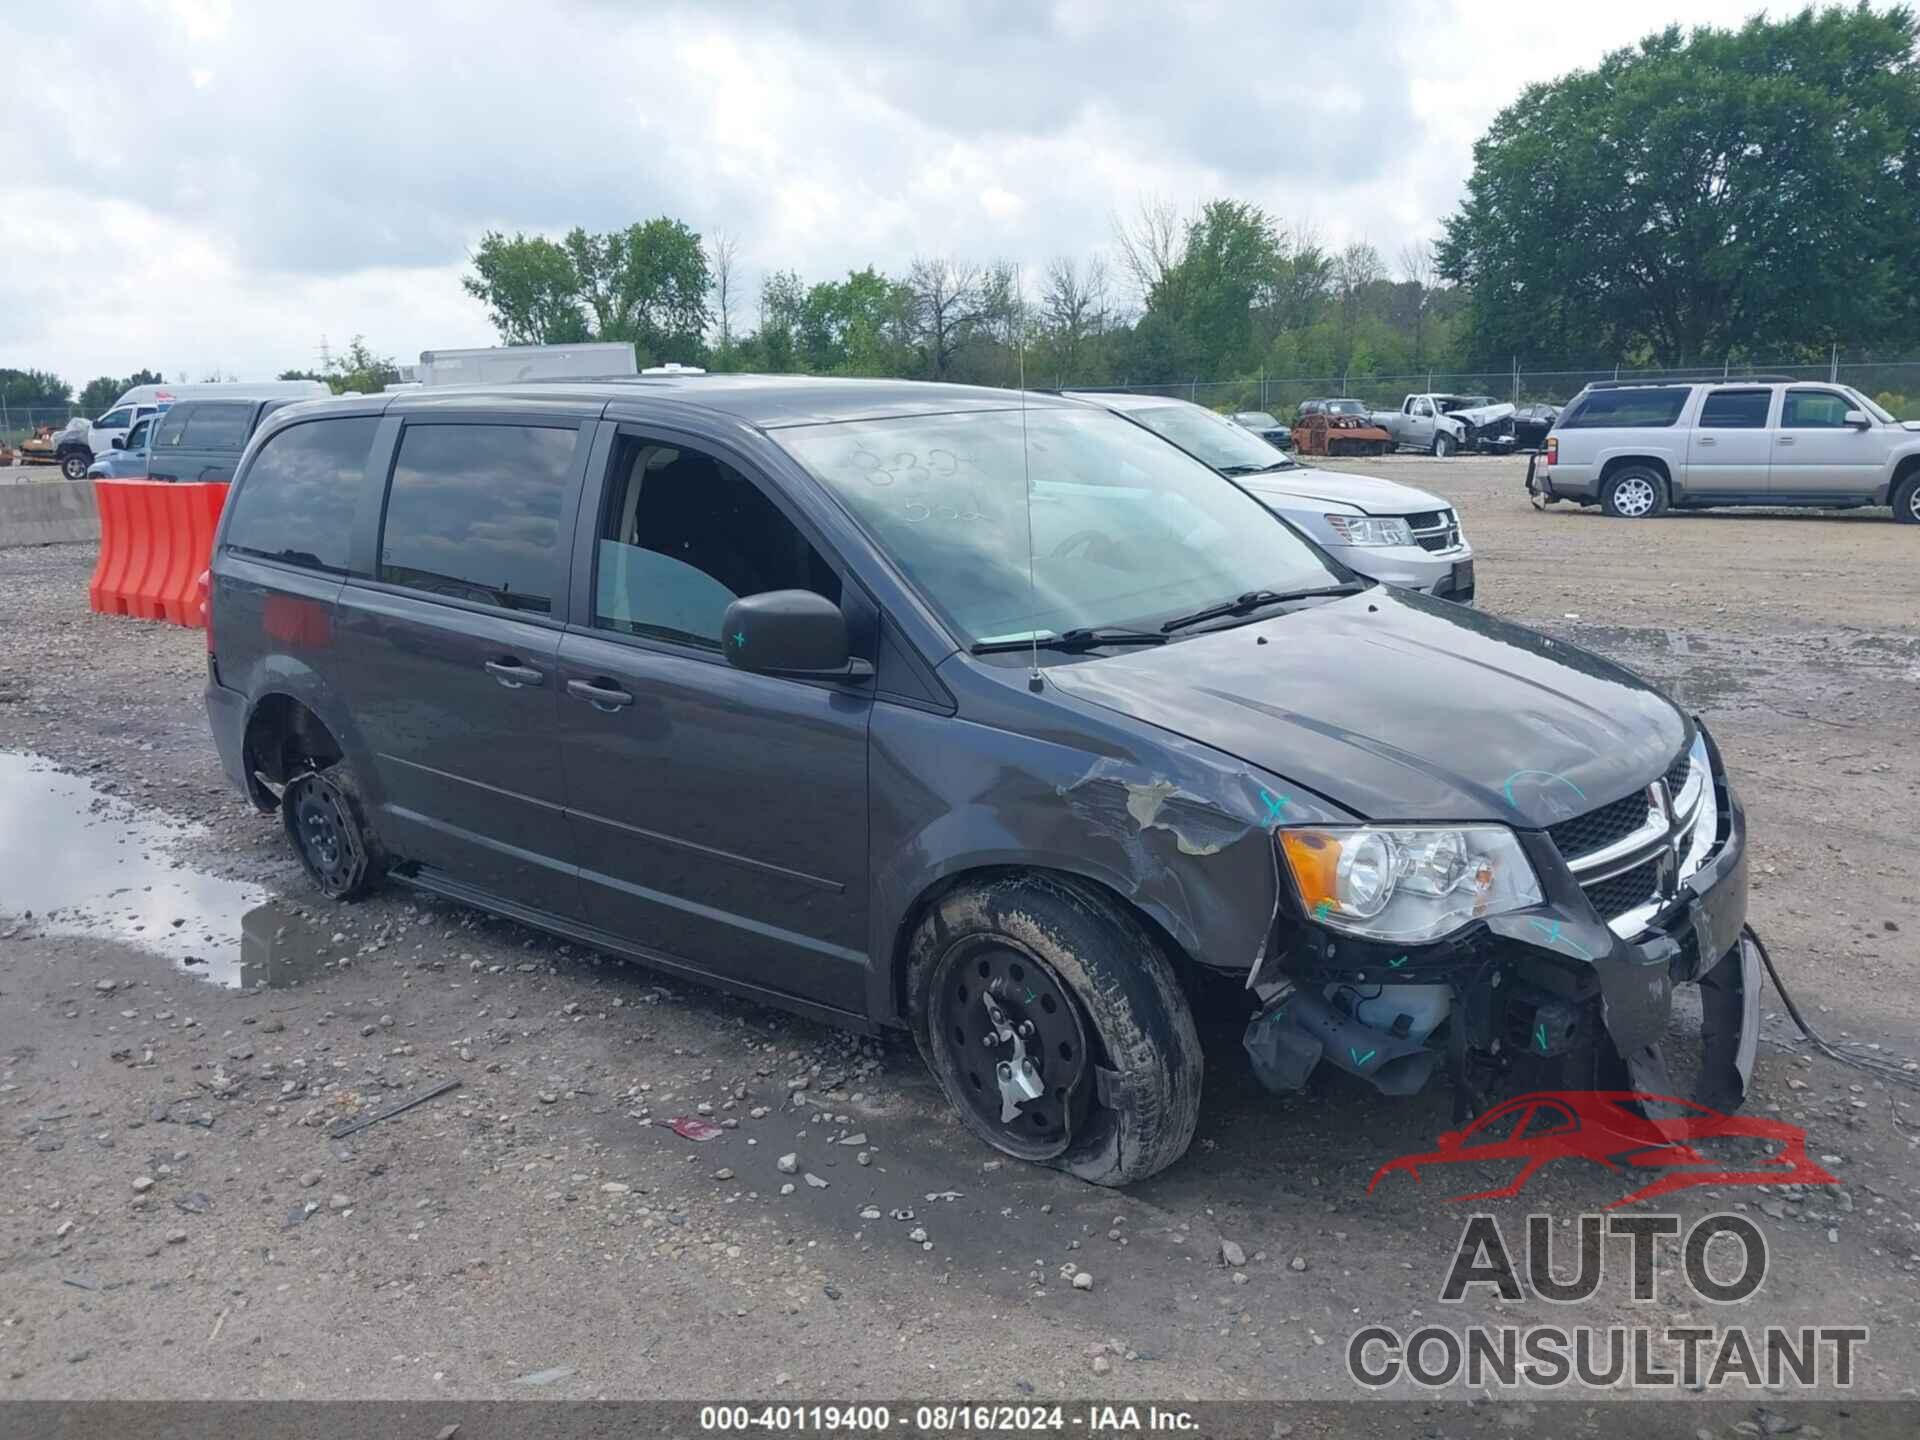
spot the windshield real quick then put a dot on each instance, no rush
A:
(1345, 407)
(1258, 418)
(1221, 443)
(1126, 529)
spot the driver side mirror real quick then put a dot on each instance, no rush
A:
(1857, 419)
(794, 633)
(119, 442)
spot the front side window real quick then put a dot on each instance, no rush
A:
(1736, 410)
(684, 536)
(137, 437)
(1125, 529)
(296, 501)
(1221, 443)
(1422, 408)
(219, 427)
(473, 512)
(173, 428)
(1815, 410)
(1648, 407)
(114, 419)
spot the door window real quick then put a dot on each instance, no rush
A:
(473, 512)
(1736, 410)
(173, 428)
(1815, 410)
(1422, 409)
(296, 501)
(114, 419)
(684, 536)
(137, 437)
(219, 427)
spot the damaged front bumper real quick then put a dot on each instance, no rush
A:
(1552, 983)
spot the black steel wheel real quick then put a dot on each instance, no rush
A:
(1038, 1024)
(1089, 993)
(323, 821)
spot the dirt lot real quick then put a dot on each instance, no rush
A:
(174, 1220)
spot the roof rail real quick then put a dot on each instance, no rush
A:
(1698, 380)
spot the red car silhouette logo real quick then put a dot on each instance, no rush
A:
(1608, 1128)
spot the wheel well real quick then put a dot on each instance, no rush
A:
(1652, 462)
(283, 736)
(1901, 472)
(1184, 965)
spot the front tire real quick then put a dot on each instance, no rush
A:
(1106, 1024)
(1634, 493)
(74, 467)
(1443, 446)
(1906, 501)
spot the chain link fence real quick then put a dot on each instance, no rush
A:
(1894, 384)
(18, 422)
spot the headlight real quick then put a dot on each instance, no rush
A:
(1407, 883)
(1371, 529)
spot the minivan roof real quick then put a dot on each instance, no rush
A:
(770, 402)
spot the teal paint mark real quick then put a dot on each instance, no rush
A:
(1554, 937)
(1358, 1058)
(1275, 804)
(1396, 964)
(1540, 1037)
(1545, 775)
(1031, 997)
(740, 639)
(1321, 909)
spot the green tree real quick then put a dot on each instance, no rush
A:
(1723, 192)
(357, 368)
(647, 284)
(531, 289)
(100, 393)
(21, 388)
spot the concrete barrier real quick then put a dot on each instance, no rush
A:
(48, 512)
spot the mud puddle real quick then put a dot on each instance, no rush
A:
(76, 861)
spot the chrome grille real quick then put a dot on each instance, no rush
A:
(1677, 773)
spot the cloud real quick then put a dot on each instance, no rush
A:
(240, 179)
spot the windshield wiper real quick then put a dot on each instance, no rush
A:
(1238, 470)
(1084, 638)
(1256, 600)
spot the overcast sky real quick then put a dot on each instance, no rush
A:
(192, 184)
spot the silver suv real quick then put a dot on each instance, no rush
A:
(1636, 448)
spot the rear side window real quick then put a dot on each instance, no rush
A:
(1645, 408)
(219, 427)
(1814, 410)
(473, 512)
(1736, 410)
(296, 501)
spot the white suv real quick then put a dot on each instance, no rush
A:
(1636, 448)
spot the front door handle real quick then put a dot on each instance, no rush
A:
(1783, 439)
(1705, 440)
(600, 693)
(512, 674)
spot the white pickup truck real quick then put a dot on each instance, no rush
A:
(1445, 424)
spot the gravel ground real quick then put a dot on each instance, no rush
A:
(176, 1222)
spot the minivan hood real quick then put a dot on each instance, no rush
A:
(1399, 707)
(1371, 496)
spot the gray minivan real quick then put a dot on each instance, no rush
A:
(201, 440)
(992, 716)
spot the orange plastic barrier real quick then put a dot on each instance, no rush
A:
(155, 539)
